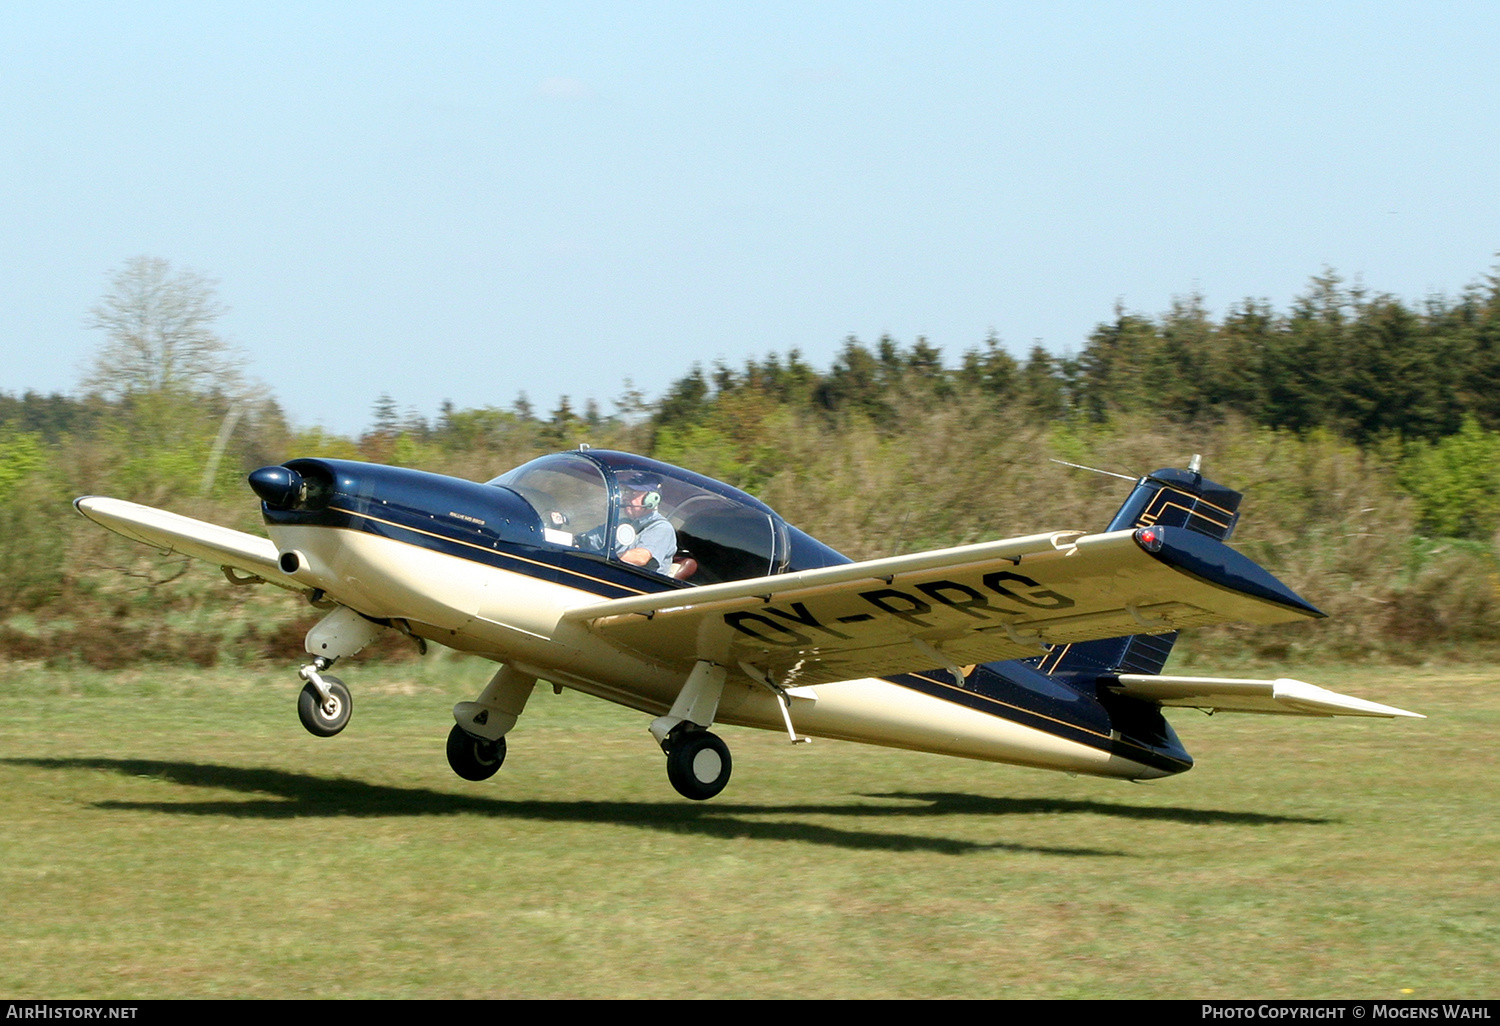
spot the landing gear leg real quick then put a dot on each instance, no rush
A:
(698, 763)
(476, 744)
(325, 705)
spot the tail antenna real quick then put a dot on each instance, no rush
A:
(1095, 470)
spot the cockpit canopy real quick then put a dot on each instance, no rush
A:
(722, 534)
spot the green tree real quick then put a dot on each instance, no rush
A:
(1235, 363)
(991, 371)
(1042, 388)
(1391, 377)
(856, 383)
(1117, 365)
(686, 399)
(31, 546)
(1178, 371)
(1476, 321)
(1455, 482)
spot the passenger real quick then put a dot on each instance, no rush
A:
(655, 542)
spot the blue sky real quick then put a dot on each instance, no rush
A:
(466, 201)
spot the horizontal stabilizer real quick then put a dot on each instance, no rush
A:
(173, 532)
(1282, 696)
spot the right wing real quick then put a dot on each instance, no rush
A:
(172, 532)
(950, 607)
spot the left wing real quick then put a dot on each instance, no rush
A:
(951, 607)
(173, 532)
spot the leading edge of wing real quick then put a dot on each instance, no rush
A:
(957, 606)
(972, 604)
(807, 583)
(173, 532)
(1113, 553)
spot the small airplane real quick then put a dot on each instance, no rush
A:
(691, 601)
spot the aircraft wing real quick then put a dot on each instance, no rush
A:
(950, 607)
(172, 532)
(1221, 694)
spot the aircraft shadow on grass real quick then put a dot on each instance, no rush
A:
(283, 795)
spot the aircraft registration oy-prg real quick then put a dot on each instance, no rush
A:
(694, 603)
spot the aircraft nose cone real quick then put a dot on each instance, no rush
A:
(278, 487)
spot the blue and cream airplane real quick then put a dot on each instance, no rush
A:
(694, 603)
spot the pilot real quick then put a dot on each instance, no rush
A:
(655, 541)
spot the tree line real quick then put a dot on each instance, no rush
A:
(1364, 365)
(1365, 431)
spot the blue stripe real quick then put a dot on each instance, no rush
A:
(1004, 703)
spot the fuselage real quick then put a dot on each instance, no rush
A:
(490, 569)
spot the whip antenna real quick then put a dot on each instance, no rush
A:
(1096, 470)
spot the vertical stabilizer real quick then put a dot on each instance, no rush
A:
(1170, 498)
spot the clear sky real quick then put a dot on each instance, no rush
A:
(466, 201)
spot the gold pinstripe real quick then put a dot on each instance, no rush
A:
(953, 687)
(1159, 504)
(1155, 511)
(482, 548)
(1050, 719)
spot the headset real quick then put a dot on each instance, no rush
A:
(647, 484)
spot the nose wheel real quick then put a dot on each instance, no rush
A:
(325, 715)
(698, 764)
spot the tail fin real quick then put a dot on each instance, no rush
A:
(1170, 498)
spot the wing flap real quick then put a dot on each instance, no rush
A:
(1283, 696)
(997, 600)
(175, 533)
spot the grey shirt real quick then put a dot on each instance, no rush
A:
(657, 536)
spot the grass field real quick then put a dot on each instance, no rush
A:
(177, 834)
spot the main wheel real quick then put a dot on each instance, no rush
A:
(698, 765)
(325, 718)
(474, 758)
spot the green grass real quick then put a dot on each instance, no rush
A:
(169, 833)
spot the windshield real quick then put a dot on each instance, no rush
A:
(570, 495)
(653, 516)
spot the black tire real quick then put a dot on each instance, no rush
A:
(321, 718)
(474, 758)
(698, 765)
